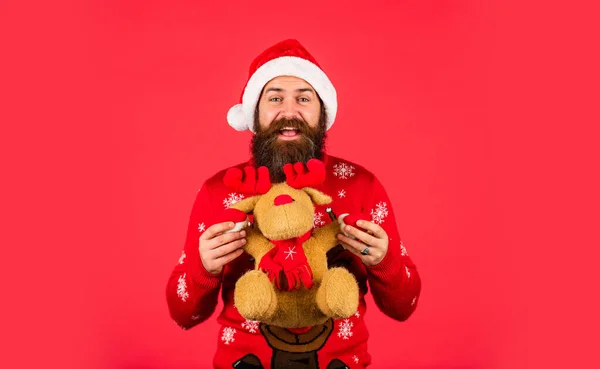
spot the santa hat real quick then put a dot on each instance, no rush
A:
(286, 58)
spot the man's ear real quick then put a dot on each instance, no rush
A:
(246, 205)
(317, 196)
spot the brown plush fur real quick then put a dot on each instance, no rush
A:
(335, 291)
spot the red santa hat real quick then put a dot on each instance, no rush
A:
(286, 58)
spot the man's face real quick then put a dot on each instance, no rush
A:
(290, 123)
(288, 97)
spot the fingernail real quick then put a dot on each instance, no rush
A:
(243, 240)
(231, 225)
(347, 228)
(360, 222)
(243, 233)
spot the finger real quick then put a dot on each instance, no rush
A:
(362, 236)
(375, 229)
(225, 259)
(216, 229)
(353, 245)
(227, 248)
(224, 239)
(372, 258)
(352, 249)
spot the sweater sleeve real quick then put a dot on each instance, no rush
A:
(192, 291)
(394, 282)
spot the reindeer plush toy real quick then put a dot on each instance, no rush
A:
(291, 285)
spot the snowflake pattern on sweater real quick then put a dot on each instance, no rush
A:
(228, 335)
(318, 220)
(343, 170)
(231, 199)
(403, 249)
(251, 325)
(379, 213)
(345, 329)
(394, 283)
(182, 288)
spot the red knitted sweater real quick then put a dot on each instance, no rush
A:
(192, 292)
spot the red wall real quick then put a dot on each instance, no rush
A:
(479, 118)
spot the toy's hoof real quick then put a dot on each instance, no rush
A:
(237, 216)
(349, 219)
(254, 296)
(249, 361)
(337, 296)
(337, 364)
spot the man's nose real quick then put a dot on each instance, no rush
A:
(289, 109)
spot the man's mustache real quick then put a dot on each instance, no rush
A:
(294, 123)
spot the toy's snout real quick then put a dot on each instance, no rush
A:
(283, 199)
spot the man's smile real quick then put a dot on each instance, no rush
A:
(289, 133)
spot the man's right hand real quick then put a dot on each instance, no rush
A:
(218, 248)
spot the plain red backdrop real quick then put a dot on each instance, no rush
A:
(479, 118)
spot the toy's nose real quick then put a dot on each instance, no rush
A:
(283, 199)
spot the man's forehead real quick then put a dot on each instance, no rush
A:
(286, 83)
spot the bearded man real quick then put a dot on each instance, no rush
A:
(290, 104)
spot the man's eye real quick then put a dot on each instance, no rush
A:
(303, 99)
(275, 99)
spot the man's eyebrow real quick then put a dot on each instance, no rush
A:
(306, 89)
(278, 89)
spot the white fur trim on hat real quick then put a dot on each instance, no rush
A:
(236, 118)
(282, 66)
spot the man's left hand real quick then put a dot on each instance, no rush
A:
(375, 238)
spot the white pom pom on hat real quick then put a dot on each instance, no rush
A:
(286, 58)
(236, 118)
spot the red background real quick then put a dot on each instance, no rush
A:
(480, 118)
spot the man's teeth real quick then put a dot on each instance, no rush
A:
(289, 131)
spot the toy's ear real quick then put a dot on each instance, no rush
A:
(317, 196)
(246, 205)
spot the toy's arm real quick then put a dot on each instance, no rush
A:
(256, 245)
(326, 236)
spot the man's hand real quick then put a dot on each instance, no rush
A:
(376, 239)
(218, 248)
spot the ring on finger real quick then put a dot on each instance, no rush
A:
(365, 251)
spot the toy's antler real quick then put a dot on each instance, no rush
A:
(248, 181)
(297, 177)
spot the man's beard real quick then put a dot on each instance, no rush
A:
(268, 150)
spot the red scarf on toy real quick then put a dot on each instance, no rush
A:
(287, 260)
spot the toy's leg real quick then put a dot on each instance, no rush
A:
(337, 296)
(254, 296)
(249, 361)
